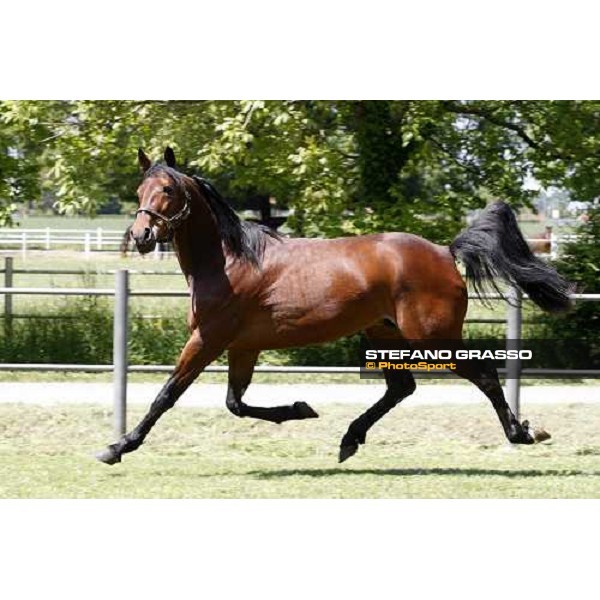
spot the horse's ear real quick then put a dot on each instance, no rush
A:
(170, 157)
(144, 161)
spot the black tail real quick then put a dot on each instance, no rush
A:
(493, 247)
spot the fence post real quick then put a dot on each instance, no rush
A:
(8, 282)
(513, 342)
(87, 244)
(99, 238)
(553, 245)
(120, 351)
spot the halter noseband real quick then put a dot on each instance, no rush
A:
(176, 220)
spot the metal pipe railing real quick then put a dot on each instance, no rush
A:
(120, 367)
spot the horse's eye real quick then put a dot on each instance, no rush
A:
(168, 189)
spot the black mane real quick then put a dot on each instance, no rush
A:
(244, 239)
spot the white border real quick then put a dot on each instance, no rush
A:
(348, 549)
(297, 549)
(314, 49)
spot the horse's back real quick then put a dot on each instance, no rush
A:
(395, 259)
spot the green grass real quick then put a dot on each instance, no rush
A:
(112, 222)
(415, 452)
(121, 221)
(93, 276)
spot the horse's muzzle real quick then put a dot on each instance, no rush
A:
(145, 240)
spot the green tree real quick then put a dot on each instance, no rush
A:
(580, 262)
(343, 166)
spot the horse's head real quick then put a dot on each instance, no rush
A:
(164, 202)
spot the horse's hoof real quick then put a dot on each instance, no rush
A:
(109, 456)
(304, 411)
(346, 452)
(540, 435)
(536, 435)
(350, 443)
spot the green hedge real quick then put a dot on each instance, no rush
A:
(80, 331)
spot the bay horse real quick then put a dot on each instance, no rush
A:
(251, 289)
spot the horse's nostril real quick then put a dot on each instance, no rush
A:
(147, 234)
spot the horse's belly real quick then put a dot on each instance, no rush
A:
(292, 325)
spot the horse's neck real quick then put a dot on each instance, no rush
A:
(198, 243)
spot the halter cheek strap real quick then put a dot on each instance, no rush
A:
(176, 220)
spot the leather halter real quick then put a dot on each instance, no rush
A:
(176, 220)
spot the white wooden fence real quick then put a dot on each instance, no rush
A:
(103, 240)
(88, 240)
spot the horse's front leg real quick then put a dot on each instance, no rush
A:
(196, 355)
(241, 367)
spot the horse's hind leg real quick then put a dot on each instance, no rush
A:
(485, 377)
(241, 368)
(400, 384)
(449, 313)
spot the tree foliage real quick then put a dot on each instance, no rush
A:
(580, 262)
(344, 166)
